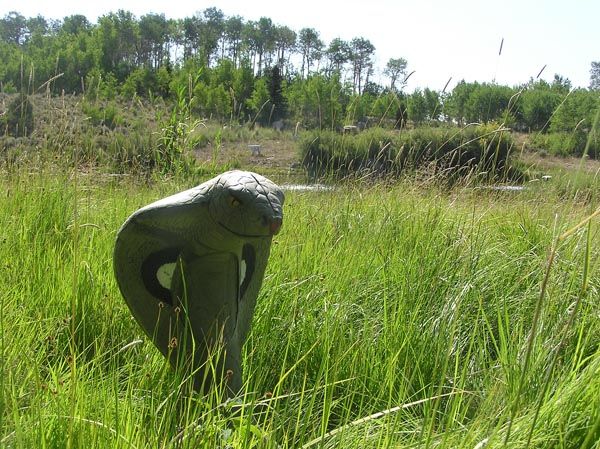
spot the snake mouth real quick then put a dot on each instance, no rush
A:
(275, 225)
(246, 236)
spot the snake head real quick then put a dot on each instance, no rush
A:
(246, 204)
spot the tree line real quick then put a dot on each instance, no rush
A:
(229, 69)
(119, 44)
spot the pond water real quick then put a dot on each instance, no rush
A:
(306, 187)
(508, 188)
(323, 187)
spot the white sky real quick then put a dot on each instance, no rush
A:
(439, 38)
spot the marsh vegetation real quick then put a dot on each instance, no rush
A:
(392, 315)
(411, 303)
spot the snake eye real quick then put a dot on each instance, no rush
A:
(233, 201)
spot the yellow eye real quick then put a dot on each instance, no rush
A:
(234, 202)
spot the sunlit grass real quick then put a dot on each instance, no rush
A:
(390, 316)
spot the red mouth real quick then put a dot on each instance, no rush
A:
(275, 225)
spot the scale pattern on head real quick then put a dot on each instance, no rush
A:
(246, 204)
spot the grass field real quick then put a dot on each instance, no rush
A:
(394, 315)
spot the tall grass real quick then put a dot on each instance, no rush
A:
(453, 151)
(389, 317)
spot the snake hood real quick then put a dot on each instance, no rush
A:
(190, 266)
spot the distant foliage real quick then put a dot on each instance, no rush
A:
(479, 103)
(577, 111)
(19, 117)
(318, 102)
(259, 104)
(237, 71)
(378, 151)
(279, 108)
(424, 106)
(538, 103)
(103, 115)
(573, 129)
(575, 143)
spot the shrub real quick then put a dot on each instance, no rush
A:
(19, 117)
(8, 87)
(107, 115)
(567, 143)
(484, 148)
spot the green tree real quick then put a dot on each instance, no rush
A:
(285, 42)
(190, 36)
(310, 47)
(396, 70)
(242, 87)
(141, 82)
(153, 42)
(338, 54)
(222, 74)
(163, 80)
(259, 104)
(233, 28)
(260, 41)
(219, 99)
(561, 84)
(433, 104)
(317, 102)
(488, 102)
(218, 103)
(276, 94)
(212, 31)
(387, 109)
(118, 38)
(37, 26)
(361, 56)
(75, 57)
(75, 24)
(457, 102)
(417, 107)
(576, 112)
(13, 28)
(537, 104)
(359, 108)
